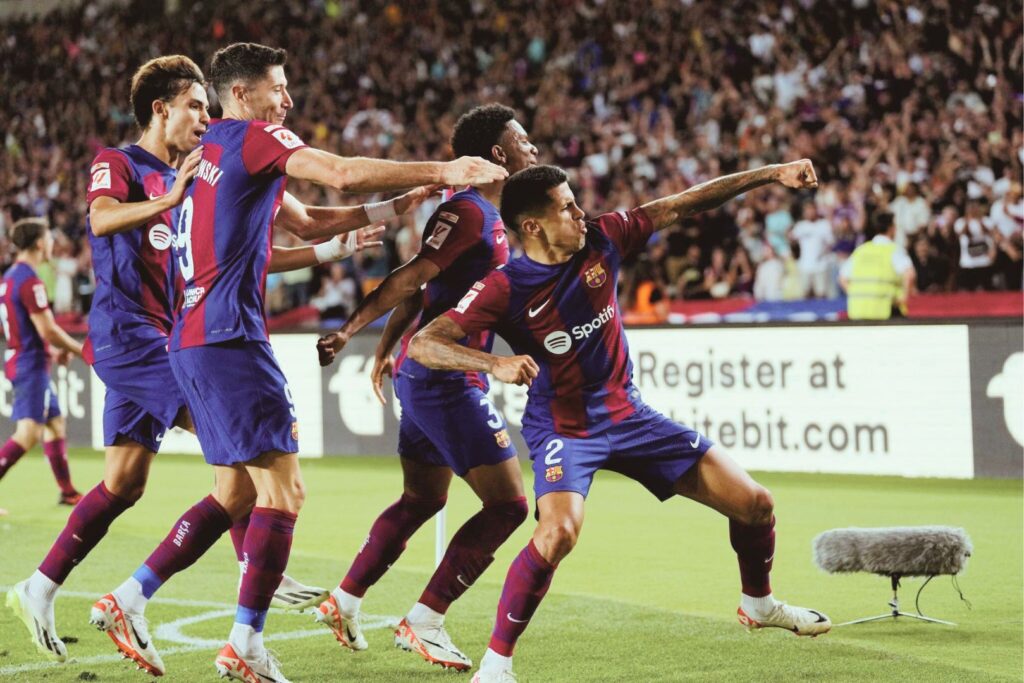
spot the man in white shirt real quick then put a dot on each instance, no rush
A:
(910, 213)
(815, 237)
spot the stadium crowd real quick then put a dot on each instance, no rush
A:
(911, 109)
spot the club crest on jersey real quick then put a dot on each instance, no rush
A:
(295, 430)
(596, 276)
(553, 474)
(502, 438)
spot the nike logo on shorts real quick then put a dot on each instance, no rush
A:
(693, 444)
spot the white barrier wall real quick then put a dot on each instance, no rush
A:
(915, 400)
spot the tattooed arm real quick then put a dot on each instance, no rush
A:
(437, 346)
(712, 194)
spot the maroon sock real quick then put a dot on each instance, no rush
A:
(87, 524)
(238, 530)
(57, 453)
(471, 551)
(387, 540)
(526, 584)
(10, 454)
(191, 536)
(268, 543)
(755, 549)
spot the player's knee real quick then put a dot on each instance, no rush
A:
(28, 433)
(129, 489)
(760, 507)
(558, 538)
(515, 512)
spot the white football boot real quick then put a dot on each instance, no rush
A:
(433, 644)
(129, 632)
(37, 615)
(799, 620)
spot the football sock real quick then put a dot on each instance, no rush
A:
(421, 615)
(267, 546)
(42, 587)
(87, 524)
(10, 454)
(755, 550)
(238, 530)
(526, 584)
(757, 608)
(348, 604)
(387, 540)
(57, 453)
(193, 534)
(471, 551)
(492, 661)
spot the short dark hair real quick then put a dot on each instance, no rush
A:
(243, 62)
(162, 78)
(26, 232)
(479, 129)
(527, 192)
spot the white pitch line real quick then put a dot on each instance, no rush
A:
(171, 631)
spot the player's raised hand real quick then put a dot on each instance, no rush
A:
(471, 171)
(186, 172)
(382, 366)
(798, 175)
(515, 370)
(414, 197)
(329, 346)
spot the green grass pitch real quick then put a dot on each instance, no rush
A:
(649, 594)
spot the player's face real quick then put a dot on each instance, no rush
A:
(268, 97)
(562, 223)
(519, 151)
(187, 118)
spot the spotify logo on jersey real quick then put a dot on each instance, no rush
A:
(160, 237)
(558, 342)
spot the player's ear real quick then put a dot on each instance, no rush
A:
(240, 92)
(530, 226)
(498, 155)
(160, 109)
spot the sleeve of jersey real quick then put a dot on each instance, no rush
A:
(484, 306)
(627, 230)
(110, 176)
(33, 295)
(267, 146)
(451, 231)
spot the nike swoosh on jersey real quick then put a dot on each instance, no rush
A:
(500, 239)
(534, 311)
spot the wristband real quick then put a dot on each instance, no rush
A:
(380, 211)
(331, 250)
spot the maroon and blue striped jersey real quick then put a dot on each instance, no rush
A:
(466, 239)
(132, 303)
(22, 293)
(566, 316)
(223, 235)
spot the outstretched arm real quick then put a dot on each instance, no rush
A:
(359, 174)
(713, 193)
(53, 333)
(312, 222)
(402, 283)
(337, 248)
(436, 346)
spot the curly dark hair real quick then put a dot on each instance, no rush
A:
(526, 192)
(479, 129)
(243, 62)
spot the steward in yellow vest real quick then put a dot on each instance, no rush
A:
(878, 276)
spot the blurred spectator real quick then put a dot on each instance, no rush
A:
(814, 235)
(977, 247)
(882, 96)
(910, 212)
(768, 283)
(933, 269)
(339, 293)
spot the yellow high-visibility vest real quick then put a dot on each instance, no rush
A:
(874, 283)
